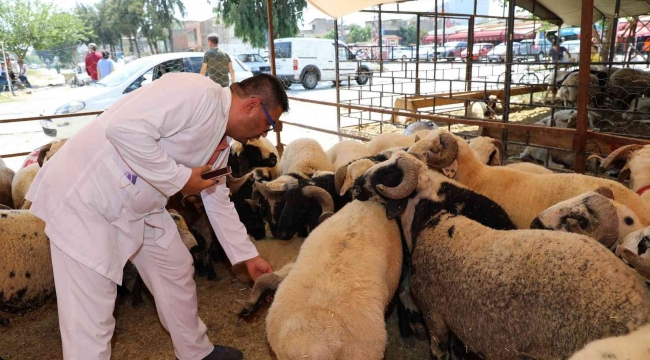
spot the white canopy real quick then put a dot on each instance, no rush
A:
(339, 8)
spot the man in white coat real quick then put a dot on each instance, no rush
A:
(103, 199)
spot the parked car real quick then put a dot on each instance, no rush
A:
(479, 51)
(498, 53)
(34, 66)
(573, 47)
(82, 76)
(536, 49)
(255, 63)
(134, 75)
(449, 50)
(307, 61)
(400, 53)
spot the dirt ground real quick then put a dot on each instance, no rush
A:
(139, 334)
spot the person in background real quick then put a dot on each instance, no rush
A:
(92, 59)
(595, 54)
(105, 66)
(217, 63)
(557, 53)
(22, 74)
(3, 76)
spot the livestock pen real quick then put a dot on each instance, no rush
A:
(436, 89)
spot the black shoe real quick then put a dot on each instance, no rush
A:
(224, 353)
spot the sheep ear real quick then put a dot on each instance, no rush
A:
(254, 205)
(42, 153)
(395, 208)
(347, 184)
(417, 138)
(605, 191)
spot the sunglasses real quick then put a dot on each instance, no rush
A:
(268, 118)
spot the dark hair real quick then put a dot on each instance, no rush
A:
(266, 87)
(105, 54)
(213, 38)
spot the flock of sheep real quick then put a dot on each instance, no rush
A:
(506, 262)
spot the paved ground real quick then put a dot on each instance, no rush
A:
(26, 136)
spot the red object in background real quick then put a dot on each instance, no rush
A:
(478, 53)
(31, 158)
(91, 64)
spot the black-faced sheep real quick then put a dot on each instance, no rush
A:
(242, 196)
(506, 294)
(21, 184)
(633, 346)
(26, 277)
(332, 303)
(636, 160)
(522, 195)
(256, 153)
(485, 109)
(593, 213)
(634, 250)
(6, 176)
(344, 152)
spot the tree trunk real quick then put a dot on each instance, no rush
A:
(121, 46)
(137, 48)
(171, 39)
(604, 50)
(150, 45)
(131, 47)
(155, 45)
(165, 43)
(113, 53)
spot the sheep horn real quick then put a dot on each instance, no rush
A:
(597, 157)
(448, 153)
(409, 182)
(621, 152)
(607, 231)
(235, 183)
(319, 194)
(638, 263)
(194, 199)
(624, 174)
(339, 178)
(268, 193)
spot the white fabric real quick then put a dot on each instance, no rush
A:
(570, 12)
(86, 301)
(92, 210)
(339, 8)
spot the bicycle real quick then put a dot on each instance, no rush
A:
(527, 78)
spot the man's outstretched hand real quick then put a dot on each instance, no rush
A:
(257, 267)
(196, 184)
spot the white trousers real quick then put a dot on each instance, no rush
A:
(86, 301)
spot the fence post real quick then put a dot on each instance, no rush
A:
(584, 75)
(269, 15)
(4, 55)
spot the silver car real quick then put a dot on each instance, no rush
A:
(255, 63)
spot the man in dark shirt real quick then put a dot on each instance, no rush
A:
(557, 53)
(92, 59)
(217, 63)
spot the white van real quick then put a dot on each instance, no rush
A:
(308, 61)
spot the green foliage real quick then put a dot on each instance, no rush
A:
(330, 35)
(359, 34)
(408, 35)
(250, 19)
(39, 25)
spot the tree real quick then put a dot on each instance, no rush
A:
(408, 35)
(330, 35)
(25, 24)
(359, 34)
(251, 21)
(165, 17)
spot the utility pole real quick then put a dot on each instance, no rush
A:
(8, 66)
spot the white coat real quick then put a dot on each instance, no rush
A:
(94, 207)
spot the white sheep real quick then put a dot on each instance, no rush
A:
(594, 213)
(640, 110)
(26, 267)
(627, 84)
(529, 168)
(568, 92)
(255, 154)
(346, 151)
(522, 195)
(634, 250)
(390, 140)
(303, 157)
(332, 303)
(636, 167)
(6, 176)
(48, 150)
(21, 183)
(506, 294)
(633, 346)
(487, 149)
(484, 109)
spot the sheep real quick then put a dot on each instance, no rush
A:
(332, 303)
(303, 157)
(46, 151)
(293, 205)
(529, 168)
(633, 346)
(639, 110)
(256, 153)
(26, 268)
(278, 253)
(419, 126)
(627, 84)
(522, 195)
(634, 250)
(636, 167)
(20, 185)
(241, 195)
(6, 176)
(346, 151)
(485, 109)
(593, 213)
(505, 294)
(488, 150)
(568, 92)
(555, 83)
(389, 140)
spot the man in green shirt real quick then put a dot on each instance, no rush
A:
(217, 63)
